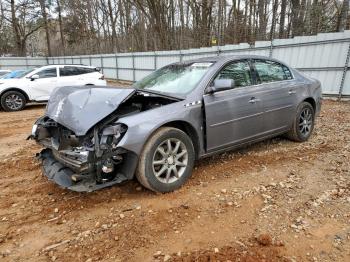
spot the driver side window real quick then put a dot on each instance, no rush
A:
(47, 73)
(238, 71)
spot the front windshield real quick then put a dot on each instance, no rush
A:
(24, 73)
(175, 79)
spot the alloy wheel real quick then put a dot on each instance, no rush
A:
(170, 160)
(305, 121)
(14, 102)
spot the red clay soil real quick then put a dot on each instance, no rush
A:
(273, 201)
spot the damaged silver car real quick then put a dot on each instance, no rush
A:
(95, 137)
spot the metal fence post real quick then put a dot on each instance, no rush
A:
(133, 67)
(344, 74)
(101, 58)
(116, 67)
(271, 48)
(181, 57)
(80, 61)
(26, 59)
(90, 60)
(155, 60)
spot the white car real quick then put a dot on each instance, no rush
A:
(36, 85)
(4, 72)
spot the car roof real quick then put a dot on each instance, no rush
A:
(62, 65)
(228, 58)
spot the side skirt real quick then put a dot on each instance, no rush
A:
(237, 146)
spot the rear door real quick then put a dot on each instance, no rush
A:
(42, 87)
(89, 75)
(233, 116)
(70, 76)
(278, 94)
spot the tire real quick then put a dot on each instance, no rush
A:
(303, 123)
(13, 101)
(155, 159)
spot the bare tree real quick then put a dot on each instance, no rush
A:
(342, 18)
(24, 23)
(46, 25)
(104, 26)
(60, 23)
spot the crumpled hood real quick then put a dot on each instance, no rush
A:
(79, 108)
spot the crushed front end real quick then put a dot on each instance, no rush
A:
(83, 163)
(80, 133)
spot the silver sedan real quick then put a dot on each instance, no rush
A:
(96, 137)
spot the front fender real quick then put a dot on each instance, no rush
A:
(141, 126)
(15, 88)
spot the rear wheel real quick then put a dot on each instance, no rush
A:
(303, 123)
(13, 101)
(166, 161)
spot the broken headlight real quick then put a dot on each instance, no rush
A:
(34, 129)
(111, 135)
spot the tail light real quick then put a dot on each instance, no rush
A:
(102, 77)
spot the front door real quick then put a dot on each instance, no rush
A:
(233, 116)
(45, 84)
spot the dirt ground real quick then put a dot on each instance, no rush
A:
(273, 201)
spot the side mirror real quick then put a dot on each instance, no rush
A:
(33, 77)
(221, 85)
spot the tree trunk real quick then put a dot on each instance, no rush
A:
(282, 18)
(113, 20)
(15, 27)
(273, 23)
(46, 24)
(60, 24)
(341, 22)
(262, 25)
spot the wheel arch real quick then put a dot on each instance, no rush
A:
(312, 102)
(189, 130)
(17, 90)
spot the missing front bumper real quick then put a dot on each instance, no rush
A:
(62, 175)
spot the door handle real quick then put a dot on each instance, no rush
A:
(292, 92)
(253, 100)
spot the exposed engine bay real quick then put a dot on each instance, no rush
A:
(94, 160)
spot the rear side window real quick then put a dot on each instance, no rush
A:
(47, 73)
(270, 71)
(238, 71)
(86, 70)
(75, 70)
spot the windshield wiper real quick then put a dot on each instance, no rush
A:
(171, 95)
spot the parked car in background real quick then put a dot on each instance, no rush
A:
(95, 137)
(36, 85)
(13, 74)
(4, 72)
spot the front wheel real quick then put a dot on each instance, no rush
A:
(303, 123)
(166, 161)
(13, 101)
